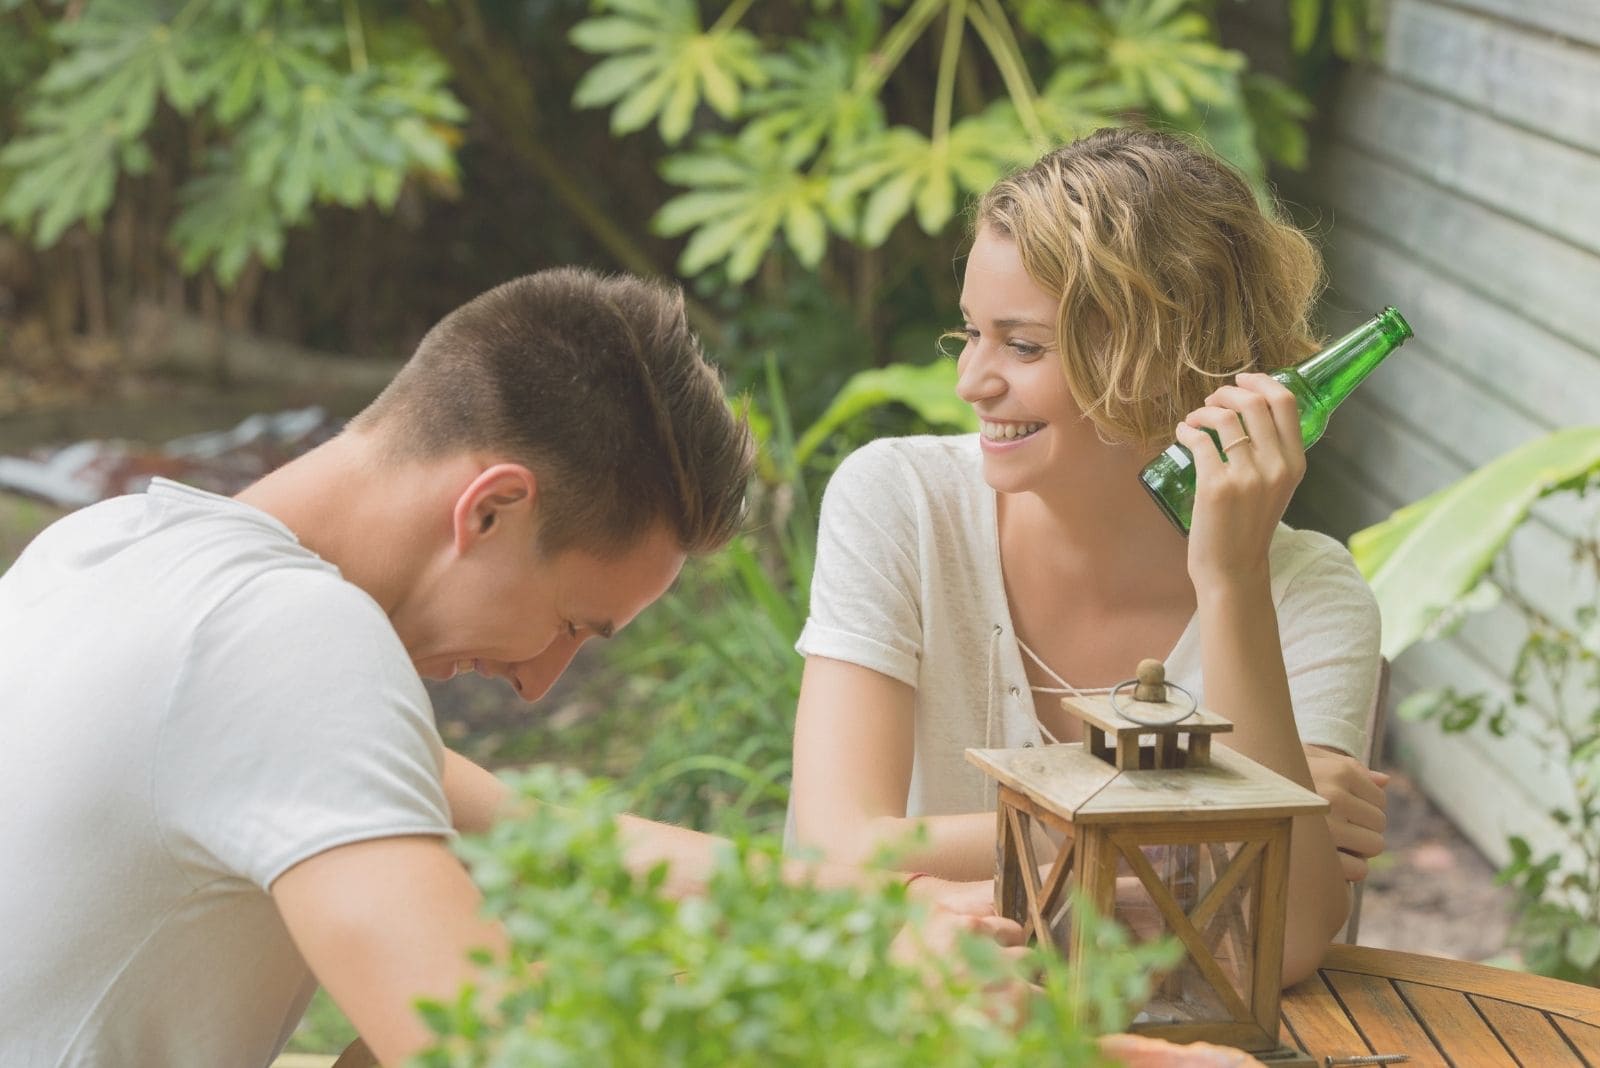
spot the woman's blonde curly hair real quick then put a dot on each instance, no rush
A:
(1171, 279)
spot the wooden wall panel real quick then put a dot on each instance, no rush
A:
(1509, 69)
(1578, 20)
(1458, 178)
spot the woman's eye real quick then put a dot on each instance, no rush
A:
(971, 332)
(1025, 349)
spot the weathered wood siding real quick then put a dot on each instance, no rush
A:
(1458, 178)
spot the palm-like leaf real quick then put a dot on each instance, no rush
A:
(225, 220)
(1431, 553)
(904, 171)
(742, 195)
(1162, 50)
(927, 389)
(119, 59)
(64, 170)
(260, 70)
(1079, 99)
(813, 99)
(663, 64)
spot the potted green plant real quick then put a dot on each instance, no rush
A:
(758, 971)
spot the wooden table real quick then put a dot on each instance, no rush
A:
(1440, 1012)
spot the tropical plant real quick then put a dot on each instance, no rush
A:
(799, 140)
(287, 106)
(757, 971)
(1435, 561)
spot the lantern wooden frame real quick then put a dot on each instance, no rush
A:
(1114, 794)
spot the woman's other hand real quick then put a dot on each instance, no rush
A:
(1358, 813)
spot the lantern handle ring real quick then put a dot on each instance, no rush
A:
(1121, 711)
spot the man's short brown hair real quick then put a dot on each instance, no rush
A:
(596, 384)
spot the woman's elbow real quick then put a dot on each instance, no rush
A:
(1308, 939)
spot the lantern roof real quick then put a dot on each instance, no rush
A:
(1083, 789)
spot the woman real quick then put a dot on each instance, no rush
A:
(1123, 284)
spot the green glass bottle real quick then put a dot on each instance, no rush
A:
(1319, 385)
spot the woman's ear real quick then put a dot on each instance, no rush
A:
(492, 500)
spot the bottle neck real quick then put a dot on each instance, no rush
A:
(1339, 368)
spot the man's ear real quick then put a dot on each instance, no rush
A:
(498, 494)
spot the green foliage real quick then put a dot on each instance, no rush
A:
(1351, 28)
(927, 389)
(323, 1029)
(801, 140)
(754, 972)
(1424, 559)
(283, 107)
(1554, 693)
(662, 64)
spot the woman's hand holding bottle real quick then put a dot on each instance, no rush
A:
(1239, 500)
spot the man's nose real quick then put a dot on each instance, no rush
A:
(533, 678)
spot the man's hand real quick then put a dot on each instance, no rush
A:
(1358, 815)
(965, 899)
(929, 947)
(934, 939)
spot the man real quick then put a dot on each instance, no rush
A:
(221, 776)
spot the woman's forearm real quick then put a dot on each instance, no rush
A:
(1245, 682)
(958, 847)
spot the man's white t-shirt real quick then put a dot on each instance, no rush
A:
(191, 702)
(908, 582)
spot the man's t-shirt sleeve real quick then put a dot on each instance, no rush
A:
(296, 725)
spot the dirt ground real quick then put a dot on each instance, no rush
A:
(1433, 892)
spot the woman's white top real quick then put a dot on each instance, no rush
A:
(908, 583)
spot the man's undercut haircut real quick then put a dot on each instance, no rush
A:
(1171, 278)
(597, 385)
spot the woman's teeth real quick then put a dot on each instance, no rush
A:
(1007, 431)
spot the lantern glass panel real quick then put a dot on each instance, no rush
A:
(1184, 876)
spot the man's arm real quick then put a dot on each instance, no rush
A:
(382, 923)
(478, 800)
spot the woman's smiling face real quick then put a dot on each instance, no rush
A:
(1010, 369)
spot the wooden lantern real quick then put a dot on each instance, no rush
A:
(1171, 837)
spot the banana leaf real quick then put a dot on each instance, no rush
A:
(927, 389)
(1426, 556)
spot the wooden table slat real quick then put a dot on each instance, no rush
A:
(1319, 1023)
(1384, 1018)
(1530, 1035)
(1536, 991)
(1585, 1038)
(1456, 1027)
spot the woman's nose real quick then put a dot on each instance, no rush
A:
(976, 379)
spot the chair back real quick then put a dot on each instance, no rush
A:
(1377, 723)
